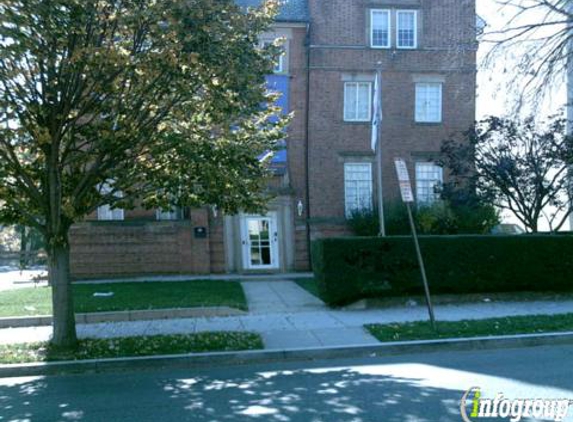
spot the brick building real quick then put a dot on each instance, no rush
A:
(426, 51)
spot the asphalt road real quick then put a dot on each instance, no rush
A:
(408, 388)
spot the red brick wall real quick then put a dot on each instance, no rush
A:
(105, 249)
(340, 47)
(296, 143)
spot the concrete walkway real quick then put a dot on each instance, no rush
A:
(279, 297)
(288, 317)
(13, 278)
(295, 318)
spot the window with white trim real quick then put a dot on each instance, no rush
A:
(406, 29)
(106, 212)
(429, 102)
(380, 28)
(357, 101)
(357, 187)
(280, 60)
(429, 177)
(169, 215)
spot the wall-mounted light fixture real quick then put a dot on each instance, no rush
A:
(299, 208)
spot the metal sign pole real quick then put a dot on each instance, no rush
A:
(422, 267)
(382, 231)
(408, 198)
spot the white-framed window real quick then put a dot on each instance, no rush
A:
(169, 215)
(429, 177)
(406, 29)
(380, 28)
(106, 212)
(429, 102)
(357, 187)
(357, 101)
(281, 59)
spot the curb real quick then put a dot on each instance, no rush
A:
(202, 360)
(122, 316)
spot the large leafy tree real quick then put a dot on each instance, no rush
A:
(519, 166)
(118, 101)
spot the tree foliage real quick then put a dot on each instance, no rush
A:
(519, 166)
(118, 101)
(455, 214)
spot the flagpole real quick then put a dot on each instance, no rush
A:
(380, 191)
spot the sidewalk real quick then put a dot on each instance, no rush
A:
(13, 278)
(287, 316)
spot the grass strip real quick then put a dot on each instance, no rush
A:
(132, 346)
(126, 297)
(421, 330)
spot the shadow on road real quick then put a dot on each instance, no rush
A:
(416, 388)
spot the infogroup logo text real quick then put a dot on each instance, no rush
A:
(474, 408)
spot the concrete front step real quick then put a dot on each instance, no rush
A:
(137, 315)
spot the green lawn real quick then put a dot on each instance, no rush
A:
(127, 296)
(133, 346)
(472, 328)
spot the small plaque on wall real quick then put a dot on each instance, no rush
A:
(200, 232)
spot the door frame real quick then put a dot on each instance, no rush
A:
(274, 243)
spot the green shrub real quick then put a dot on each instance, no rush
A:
(440, 218)
(364, 222)
(396, 218)
(348, 269)
(437, 218)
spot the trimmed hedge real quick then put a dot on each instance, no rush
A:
(349, 269)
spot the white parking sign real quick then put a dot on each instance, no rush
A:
(404, 180)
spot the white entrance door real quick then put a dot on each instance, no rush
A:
(259, 237)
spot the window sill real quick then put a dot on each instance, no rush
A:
(428, 123)
(357, 122)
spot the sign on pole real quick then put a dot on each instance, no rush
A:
(408, 198)
(404, 181)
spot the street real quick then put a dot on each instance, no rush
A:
(400, 388)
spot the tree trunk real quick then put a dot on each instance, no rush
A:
(64, 323)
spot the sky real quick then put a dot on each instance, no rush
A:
(494, 95)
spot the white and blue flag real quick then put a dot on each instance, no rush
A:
(377, 112)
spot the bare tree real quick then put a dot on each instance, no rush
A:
(518, 166)
(537, 39)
